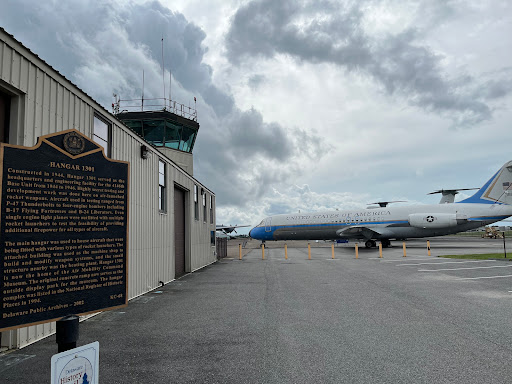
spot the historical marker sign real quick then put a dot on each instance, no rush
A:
(63, 228)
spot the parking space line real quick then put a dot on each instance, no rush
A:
(483, 277)
(401, 258)
(449, 262)
(460, 269)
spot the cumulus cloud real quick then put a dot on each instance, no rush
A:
(105, 48)
(336, 33)
(255, 81)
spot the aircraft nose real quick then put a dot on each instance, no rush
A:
(254, 233)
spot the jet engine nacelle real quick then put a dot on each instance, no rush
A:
(433, 220)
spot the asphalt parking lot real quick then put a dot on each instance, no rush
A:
(414, 319)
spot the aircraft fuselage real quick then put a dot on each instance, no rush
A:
(381, 223)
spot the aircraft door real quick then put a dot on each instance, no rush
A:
(268, 224)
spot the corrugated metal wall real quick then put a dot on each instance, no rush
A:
(49, 103)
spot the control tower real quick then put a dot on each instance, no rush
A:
(169, 126)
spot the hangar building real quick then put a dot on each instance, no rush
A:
(171, 214)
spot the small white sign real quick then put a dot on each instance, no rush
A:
(77, 366)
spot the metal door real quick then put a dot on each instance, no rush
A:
(179, 233)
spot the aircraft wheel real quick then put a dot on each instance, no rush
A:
(386, 243)
(370, 243)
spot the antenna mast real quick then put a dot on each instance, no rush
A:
(142, 107)
(163, 68)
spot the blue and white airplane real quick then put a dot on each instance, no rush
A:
(491, 203)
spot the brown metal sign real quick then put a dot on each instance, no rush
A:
(64, 230)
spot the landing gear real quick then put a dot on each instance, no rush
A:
(370, 244)
(386, 243)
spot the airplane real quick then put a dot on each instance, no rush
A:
(491, 203)
(230, 228)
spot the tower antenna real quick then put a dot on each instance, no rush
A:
(163, 67)
(142, 107)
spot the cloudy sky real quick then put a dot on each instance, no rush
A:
(303, 105)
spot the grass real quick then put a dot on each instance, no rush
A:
(508, 234)
(485, 256)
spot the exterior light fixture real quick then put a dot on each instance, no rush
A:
(144, 152)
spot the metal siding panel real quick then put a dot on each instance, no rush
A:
(23, 336)
(88, 113)
(38, 103)
(6, 62)
(60, 107)
(2, 49)
(45, 105)
(15, 69)
(53, 106)
(24, 69)
(30, 112)
(76, 113)
(65, 109)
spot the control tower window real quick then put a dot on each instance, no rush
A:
(163, 132)
(172, 135)
(187, 139)
(154, 132)
(101, 133)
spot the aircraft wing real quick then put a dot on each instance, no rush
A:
(362, 231)
(229, 228)
(223, 227)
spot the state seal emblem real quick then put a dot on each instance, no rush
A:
(74, 143)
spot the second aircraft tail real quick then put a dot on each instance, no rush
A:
(497, 190)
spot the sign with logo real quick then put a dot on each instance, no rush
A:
(77, 366)
(63, 230)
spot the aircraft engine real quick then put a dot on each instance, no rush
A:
(432, 220)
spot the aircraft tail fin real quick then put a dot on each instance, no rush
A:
(497, 190)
